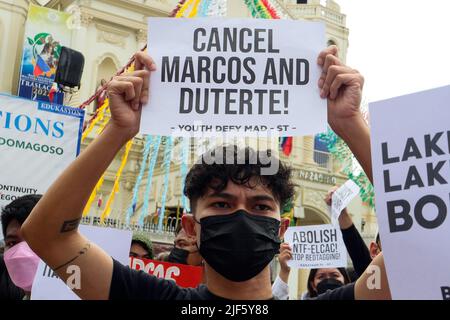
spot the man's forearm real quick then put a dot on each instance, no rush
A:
(356, 134)
(59, 212)
(345, 221)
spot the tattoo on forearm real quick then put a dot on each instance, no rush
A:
(79, 254)
(70, 225)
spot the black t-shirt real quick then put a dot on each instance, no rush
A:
(346, 292)
(138, 285)
(128, 284)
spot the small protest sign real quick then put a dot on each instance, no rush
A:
(313, 247)
(341, 199)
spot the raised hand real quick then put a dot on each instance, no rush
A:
(342, 86)
(127, 93)
(345, 220)
(329, 196)
(283, 258)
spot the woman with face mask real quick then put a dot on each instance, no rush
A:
(322, 280)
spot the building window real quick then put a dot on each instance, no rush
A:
(106, 69)
(321, 153)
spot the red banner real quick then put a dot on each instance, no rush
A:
(184, 275)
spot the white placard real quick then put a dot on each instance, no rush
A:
(38, 141)
(341, 199)
(411, 169)
(116, 243)
(241, 77)
(313, 247)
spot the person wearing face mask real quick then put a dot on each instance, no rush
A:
(19, 263)
(141, 246)
(235, 207)
(322, 280)
(185, 250)
(354, 244)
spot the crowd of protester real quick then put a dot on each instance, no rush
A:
(234, 229)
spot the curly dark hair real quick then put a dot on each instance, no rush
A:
(243, 171)
(19, 210)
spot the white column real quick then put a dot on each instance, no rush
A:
(80, 43)
(13, 15)
(237, 9)
(308, 150)
(141, 37)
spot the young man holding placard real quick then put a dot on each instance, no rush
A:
(223, 209)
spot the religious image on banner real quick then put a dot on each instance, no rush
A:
(46, 32)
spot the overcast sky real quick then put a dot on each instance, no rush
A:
(400, 46)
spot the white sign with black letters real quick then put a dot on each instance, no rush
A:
(313, 247)
(241, 77)
(341, 199)
(411, 169)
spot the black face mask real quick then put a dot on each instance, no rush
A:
(178, 255)
(240, 245)
(328, 284)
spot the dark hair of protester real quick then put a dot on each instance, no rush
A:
(144, 241)
(352, 274)
(217, 175)
(19, 210)
(311, 292)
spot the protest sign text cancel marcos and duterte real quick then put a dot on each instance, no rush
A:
(234, 76)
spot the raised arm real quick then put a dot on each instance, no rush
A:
(280, 288)
(356, 247)
(52, 227)
(343, 86)
(373, 283)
